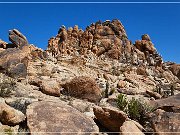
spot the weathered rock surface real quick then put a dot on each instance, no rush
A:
(111, 118)
(10, 116)
(13, 62)
(153, 94)
(84, 88)
(94, 65)
(164, 123)
(17, 38)
(175, 69)
(54, 117)
(107, 38)
(50, 87)
(129, 128)
(170, 104)
(145, 44)
(20, 103)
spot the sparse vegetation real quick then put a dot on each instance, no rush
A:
(8, 131)
(122, 102)
(135, 108)
(7, 86)
(112, 91)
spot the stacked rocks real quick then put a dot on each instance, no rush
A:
(107, 38)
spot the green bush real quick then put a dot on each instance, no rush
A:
(122, 102)
(135, 108)
(7, 86)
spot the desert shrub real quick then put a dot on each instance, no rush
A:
(8, 131)
(122, 102)
(7, 86)
(135, 108)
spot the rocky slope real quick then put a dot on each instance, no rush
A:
(87, 82)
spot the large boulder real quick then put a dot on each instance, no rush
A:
(13, 61)
(84, 88)
(175, 69)
(17, 38)
(170, 104)
(50, 87)
(56, 117)
(165, 122)
(10, 116)
(110, 118)
(130, 128)
(145, 45)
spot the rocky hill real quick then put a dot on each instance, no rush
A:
(87, 82)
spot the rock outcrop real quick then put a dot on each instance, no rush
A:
(15, 56)
(54, 117)
(104, 38)
(89, 81)
(13, 62)
(17, 38)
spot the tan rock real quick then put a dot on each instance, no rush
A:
(3, 44)
(50, 87)
(106, 76)
(121, 84)
(17, 38)
(114, 53)
(170, 104)
(146, 37)
(153, 94)
(175, 69)
(54, 117)
(145, 45)
(164, 123)
(110, 118)
(14, 61)
(10, 116)
(130, 128)
(141, 71)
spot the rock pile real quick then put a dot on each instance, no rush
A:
(87, 82)
(104, 38)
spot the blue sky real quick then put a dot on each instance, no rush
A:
(39, 22)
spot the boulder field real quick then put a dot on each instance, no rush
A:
(94, 81)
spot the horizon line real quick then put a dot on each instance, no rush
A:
(88, 2)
